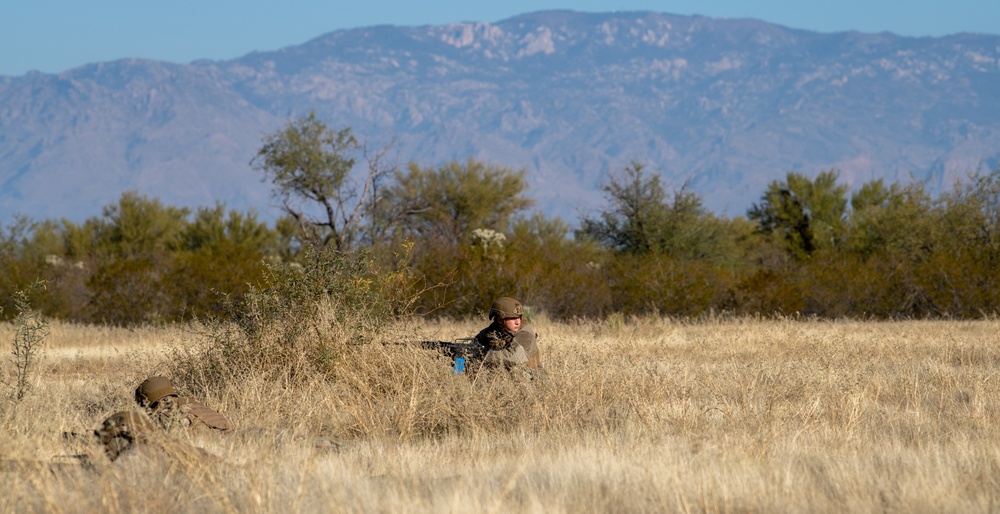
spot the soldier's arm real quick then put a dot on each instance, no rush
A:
(492, 340)
(510, 356)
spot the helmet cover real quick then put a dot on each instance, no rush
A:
(153, 389)
(506, 307)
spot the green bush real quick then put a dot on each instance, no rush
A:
(132, 290)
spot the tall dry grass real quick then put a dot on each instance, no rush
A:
(643, 415)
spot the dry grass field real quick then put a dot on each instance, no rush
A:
(642, 415)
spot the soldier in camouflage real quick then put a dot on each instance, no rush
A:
(507, 341)
(130, 436)
(171, 411)
(121, 432)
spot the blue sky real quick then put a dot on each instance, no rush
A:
(56, 35)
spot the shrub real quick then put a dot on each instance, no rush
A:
(29, 332)
(296, 326)
(132, 290)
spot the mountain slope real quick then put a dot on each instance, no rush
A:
(724, 105)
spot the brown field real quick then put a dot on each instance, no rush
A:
(644, 415)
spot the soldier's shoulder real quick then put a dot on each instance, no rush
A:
(206, 414)
(489, 333)
(526, 332)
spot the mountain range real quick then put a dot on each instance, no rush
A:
(722, 106)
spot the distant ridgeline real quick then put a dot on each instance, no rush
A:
(724, 106)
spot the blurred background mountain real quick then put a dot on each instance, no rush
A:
(724, 106)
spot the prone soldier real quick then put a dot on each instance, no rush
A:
(130, 433)
(164, 405)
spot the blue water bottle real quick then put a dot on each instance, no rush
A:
(459, 365)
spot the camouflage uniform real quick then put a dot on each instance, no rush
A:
(171, 411)
(504, 348)
(121, 432)
(129, 435)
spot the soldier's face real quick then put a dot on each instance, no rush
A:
(512, 324)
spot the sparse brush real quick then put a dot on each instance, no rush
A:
(406, 393)
(296, 326)
(30, 330)
(643, 414)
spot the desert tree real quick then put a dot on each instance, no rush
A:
(222, 254)
(447, 203)
(966, 246)
(312, 168)
(897, 219)
(214, 226)
(636, 213)
(135, 241)
(805, 214)
(139, 225)
(971, 215)
(642, 217)
(667, 253)
(19, 269)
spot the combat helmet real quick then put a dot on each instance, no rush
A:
(153, 389)
(506, 307)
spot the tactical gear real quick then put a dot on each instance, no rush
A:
(508, 358)
(121, 432)
(510, 350)
(154, 389)
(129, 435)
(506, 307)
(169, 410)
(188, 413)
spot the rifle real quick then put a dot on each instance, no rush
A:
(59, 463)
(459, 350)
